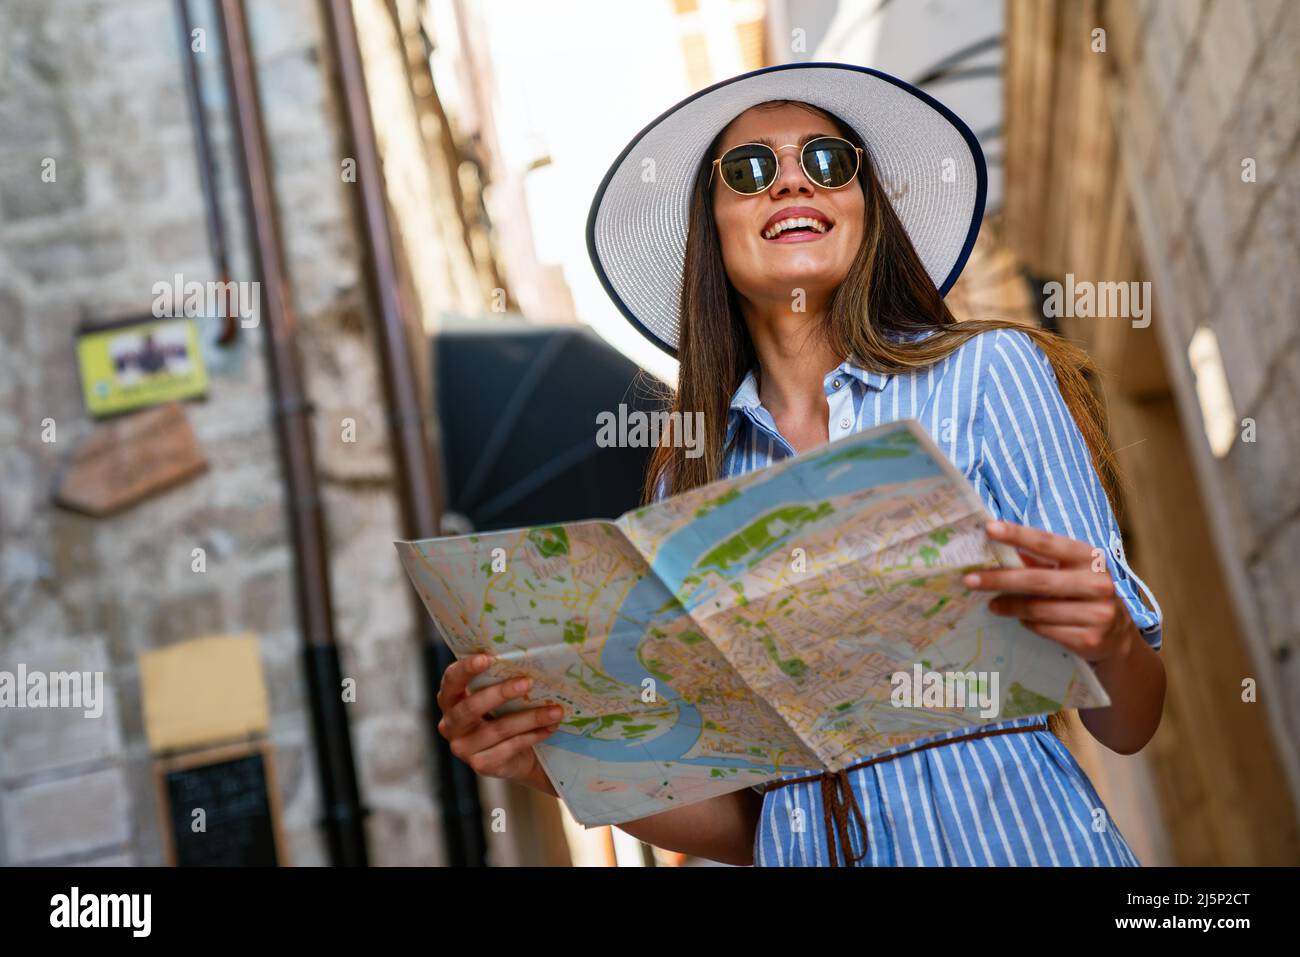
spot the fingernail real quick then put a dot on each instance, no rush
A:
(555, 713)
(997, 528)
(971, 581)
(521, 684)
(481, 661)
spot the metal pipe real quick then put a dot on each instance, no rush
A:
(342, 811)
(203, 146)
(421, 494)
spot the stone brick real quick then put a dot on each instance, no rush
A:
(180, 617)
(1271, 246)
(1279, 77)
(1286, 201)
(266, 601)
(130, 34)
(73, 545)
(185, 240)
(1183, 16)
(255, 525)
(1210, 220)
(1228, 45)
(59, 397)
(98, 611)
(390, 747)
(130, 701)
(145, 822)
(72, 815)
(1156, 193)
(402, 835)
(1268, 471)
(1207, 105)
(24, 194)
(390, 676)
(290, 767)
(1162, 54)
(306, 846)
(282, 661)
(1181, 293)
(1244, 363)
(1186, 153)
(289, 26)
(141, 176)
(50, 738)
(18, 478)
(71, 254)
(1264, 15)
(291, 86)
(12, 331)
(1273, 575)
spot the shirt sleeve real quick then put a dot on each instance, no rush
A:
(1037, 464)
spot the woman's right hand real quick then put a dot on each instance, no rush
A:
(497, 747)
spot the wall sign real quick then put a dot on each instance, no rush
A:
(220, 807)
(135, 363)
(128, 459)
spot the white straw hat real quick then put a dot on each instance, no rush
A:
(928, 161)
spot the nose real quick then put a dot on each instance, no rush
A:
(790, 177)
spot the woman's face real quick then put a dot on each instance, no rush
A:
(772, 270)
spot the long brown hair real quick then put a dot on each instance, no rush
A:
(886, 295)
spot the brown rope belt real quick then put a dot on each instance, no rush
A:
(839, 801)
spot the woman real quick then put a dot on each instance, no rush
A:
(811, 307)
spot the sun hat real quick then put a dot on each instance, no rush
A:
(928, 161)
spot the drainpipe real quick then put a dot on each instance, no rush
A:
(203, 146)
(342, 811)
(421, 494)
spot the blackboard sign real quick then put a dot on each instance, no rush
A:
(233, 790)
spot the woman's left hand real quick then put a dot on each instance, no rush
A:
(1065, 593)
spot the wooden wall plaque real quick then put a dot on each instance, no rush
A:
(128, 459)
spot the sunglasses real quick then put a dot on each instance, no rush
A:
(751, 168)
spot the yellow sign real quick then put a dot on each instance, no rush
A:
(139, 363)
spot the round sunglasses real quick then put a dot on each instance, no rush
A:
(751, 168)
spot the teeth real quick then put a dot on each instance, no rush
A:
(794, 223)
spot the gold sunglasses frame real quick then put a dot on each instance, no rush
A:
(717, 163)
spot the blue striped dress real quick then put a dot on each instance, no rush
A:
(994, 408)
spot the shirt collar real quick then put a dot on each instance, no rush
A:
(745, 401)
(746, 395)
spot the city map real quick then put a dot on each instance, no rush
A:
(748, 629)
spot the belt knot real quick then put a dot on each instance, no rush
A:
(838, 802)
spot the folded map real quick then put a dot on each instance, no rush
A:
(797, 618)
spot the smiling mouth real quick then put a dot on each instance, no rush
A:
(797, 229)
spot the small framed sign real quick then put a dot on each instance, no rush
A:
(134, 363)
(220, 807)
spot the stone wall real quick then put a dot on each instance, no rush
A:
(1207, 94)
(98, 87)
